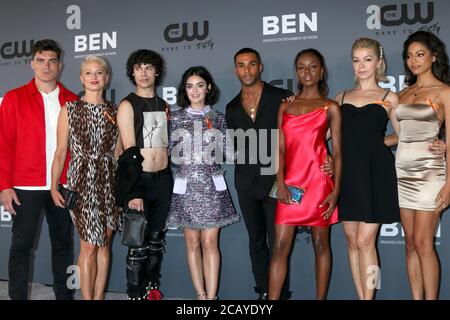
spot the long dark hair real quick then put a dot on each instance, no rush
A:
(212, 96)
(439, 68)
(323, 86)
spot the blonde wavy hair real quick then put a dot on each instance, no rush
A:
(367, 43)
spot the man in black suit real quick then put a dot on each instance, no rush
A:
(254, 110)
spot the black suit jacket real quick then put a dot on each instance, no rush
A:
(247, 176)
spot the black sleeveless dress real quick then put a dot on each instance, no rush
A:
(369, 182)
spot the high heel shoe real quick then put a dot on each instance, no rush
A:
(202, 296)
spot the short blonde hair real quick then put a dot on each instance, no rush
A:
(367, 43)
(101, 61)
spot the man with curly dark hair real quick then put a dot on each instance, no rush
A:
(144, 178)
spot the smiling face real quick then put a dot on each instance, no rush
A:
(46, 66)
(419, 59)
(309, 70)
(93, 76)
(365, 63)
(196, 90)
(248, 68)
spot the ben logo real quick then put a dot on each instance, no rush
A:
(89, 42)
(395, 229)
(170, 95)
(95, 41)
(394, 84)
(289, 23)
(16, 49)
(175, 32)
(5, 216)
(393, 15)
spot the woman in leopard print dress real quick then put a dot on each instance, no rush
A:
(88, 128)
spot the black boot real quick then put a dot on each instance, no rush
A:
(136, 272)
(285, 295)
(153, 292)
(262, 295)
(155, 255)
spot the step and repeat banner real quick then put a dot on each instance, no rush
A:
(208, 33)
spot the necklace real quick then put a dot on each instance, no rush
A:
(250, 104)
(148, 104)
(416, 90)
(252, 111)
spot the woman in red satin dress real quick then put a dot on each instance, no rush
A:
(303, 125)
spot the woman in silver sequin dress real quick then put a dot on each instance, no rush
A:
(201, 203)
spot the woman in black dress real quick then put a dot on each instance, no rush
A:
(368, 190)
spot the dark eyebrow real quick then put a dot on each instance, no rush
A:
(195, 83)
(418, 51)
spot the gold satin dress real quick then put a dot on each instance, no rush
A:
(420, 173)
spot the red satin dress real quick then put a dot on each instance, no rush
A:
(305, 152)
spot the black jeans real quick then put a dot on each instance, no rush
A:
(259, 218)
(146, 265)
(24, 230)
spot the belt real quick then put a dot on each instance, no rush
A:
(157, 174)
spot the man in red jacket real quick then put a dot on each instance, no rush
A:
(28, 120)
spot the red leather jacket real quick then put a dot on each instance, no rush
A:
(22, 137)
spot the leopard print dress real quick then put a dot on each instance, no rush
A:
(92, 140)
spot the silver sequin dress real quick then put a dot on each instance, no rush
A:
(201, 206)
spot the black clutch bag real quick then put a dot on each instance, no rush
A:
(70, 196)
(134, 224)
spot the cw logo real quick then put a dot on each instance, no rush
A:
(390, 16)
(10, 50)
(173, 32)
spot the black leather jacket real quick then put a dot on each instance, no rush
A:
(128, 176)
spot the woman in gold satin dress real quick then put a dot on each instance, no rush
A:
(423, 183)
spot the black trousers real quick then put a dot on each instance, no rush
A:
(158, 192)
(259, 218)
(24, 230)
